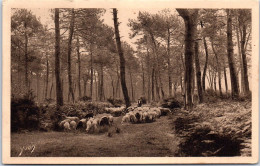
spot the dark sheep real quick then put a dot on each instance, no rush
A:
(104, 121)
(89, 115)
(138, 117)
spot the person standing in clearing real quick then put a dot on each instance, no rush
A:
(139, 103)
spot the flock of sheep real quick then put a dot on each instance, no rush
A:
(144, 114)
(91, 123)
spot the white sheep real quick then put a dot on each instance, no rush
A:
(111, 119)
(89, 124)
(76, 119)
(61, 124)
(126, 118)
(95, 123)
(73, 125)
(67, 126)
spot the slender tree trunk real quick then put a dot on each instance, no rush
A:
(153, 94)
(190, 19)
(149, 76)
(157, 85)
(198, 72)
(38, 86)
(143, 92)
(47, 79)
(215, 82)
(241, 61)
(59, 96)
(117, 83)
(26, 59)
(79, 67)
(91, 72)
(218, 68)
(233, 75)
(122, 60)
(168, 62)
(132, 87)
(71, 31)
(206, 61)
(225, 76)
(102, 95)
(243, 53)
(112, 84)
(96, 84)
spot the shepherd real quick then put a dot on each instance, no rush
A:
(139, 102)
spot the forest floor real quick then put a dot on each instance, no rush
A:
(142, 140)
(172, 135)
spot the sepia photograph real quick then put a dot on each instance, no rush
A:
(167, 83)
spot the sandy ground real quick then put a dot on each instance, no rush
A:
(134, 140)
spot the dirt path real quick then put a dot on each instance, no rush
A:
(146, 139)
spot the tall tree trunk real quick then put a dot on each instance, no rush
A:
(149, 76)
(132, 87)
(157, 85)
(218, 68)
(233, 75)
(190, 19)
(96, 84)
(242, 23)
(117, 83)
(47, 79)
(158, 81)
(91, 72)
(112, 84)
(143, 92)
(79, 67)
(102, 95)
(198, 72)
(26, 59)
(59, 96)
(241, 61)
(225, 76)
(206, 61)
(71, 31)
(38, 86)
(122, 60)
(153, 94)
(168, 62)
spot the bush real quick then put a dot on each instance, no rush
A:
(24, 114)
(115, 102)
(205, 142)
(85, 98)
(171, 103)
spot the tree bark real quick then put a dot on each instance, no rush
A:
(233, 75)
(91, 72)
(79, 67)
(47, 79)
(198, 72)
(225, 76)
(168, 62)
(122, 60)
(206, 62)
(190, 19)
(218, 68)
(132, 87)
(26, 58)
(242, 24)
(153, 94)
(241, 61)
(71, 31)
(59, 96)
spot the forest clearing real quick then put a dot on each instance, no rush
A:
(163, 83)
